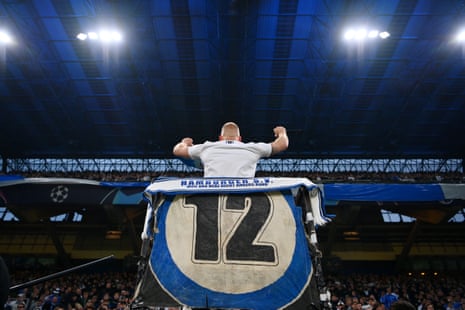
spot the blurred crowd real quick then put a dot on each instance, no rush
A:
(113, 291)
(102, 291)
(346, 177)
(367, 292)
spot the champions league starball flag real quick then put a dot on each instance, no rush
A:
(228, 243)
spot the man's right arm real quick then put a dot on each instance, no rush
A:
(182, 148)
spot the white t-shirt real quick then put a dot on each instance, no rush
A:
(228, 158)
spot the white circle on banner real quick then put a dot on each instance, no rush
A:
(227, 276)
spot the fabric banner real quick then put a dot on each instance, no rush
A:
(245, 247)
(394, 192)
(65, 192)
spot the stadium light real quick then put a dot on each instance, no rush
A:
(108, 36)
(82, 36)
(361, 33)
(460, 37)
(373, 34)
(5, 38)
(384, 35)
(105, 36)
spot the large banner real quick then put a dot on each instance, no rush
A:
(228, 243)
(16, 190)
(394, 192)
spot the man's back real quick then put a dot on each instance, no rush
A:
(228, 158)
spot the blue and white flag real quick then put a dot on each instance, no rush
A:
(228, 243)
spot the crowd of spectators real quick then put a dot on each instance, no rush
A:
(371, 291)
(113, 291)
(343, 177)
(76, 291)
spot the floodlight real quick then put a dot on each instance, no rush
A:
(81, 36)
(5, 38)
(363, 33)
(384, 35)
(102, 35)
(92, 35)
(116, 36)
(373, 34)
(360, 34)
(349, 34)
(461, 36)
(110, 36)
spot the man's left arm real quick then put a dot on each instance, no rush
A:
(281, 142)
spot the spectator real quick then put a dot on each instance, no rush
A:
(388, 298)
(53, 300)
(230, 157)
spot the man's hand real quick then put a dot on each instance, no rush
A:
(181, 149)
(279, 130)
(188, 141)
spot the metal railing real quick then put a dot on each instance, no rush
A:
(155, 165)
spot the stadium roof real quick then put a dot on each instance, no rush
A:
(182, 68)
